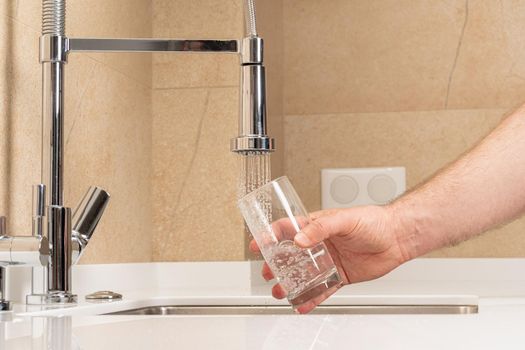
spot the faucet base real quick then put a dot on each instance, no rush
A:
(51, 298)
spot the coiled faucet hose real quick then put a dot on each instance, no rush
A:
(53, 17)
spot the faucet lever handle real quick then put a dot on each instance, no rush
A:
(86, 217)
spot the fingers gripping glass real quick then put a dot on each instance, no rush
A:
(274, 214)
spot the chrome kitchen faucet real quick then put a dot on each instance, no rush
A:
(59, 237)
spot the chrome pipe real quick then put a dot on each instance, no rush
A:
(52, 176)
(53, 51)
(53, 130)
(53, 47)
(59, 275)
(86, 218)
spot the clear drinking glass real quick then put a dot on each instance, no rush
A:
(274, 214)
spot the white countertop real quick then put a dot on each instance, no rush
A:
(499, 323)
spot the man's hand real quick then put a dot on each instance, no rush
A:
(365, 243)
(480, 190)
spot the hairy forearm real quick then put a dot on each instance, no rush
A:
(482, 189)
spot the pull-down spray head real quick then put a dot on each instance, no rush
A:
(252, 123)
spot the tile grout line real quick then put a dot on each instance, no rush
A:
(119, 72)
(17, 3)
(196, 147)
(13, 16)
(458, 49)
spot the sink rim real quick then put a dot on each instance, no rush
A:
(236, 310)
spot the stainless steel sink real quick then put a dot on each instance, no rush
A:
(286, 310)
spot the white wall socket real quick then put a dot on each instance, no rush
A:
(351, 187)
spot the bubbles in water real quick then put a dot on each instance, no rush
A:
(295, 267)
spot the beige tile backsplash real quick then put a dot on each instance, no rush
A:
(350, 84)
(195, 175)
(347, 56)
(368, 56)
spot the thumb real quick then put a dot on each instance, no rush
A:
(320, 228)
